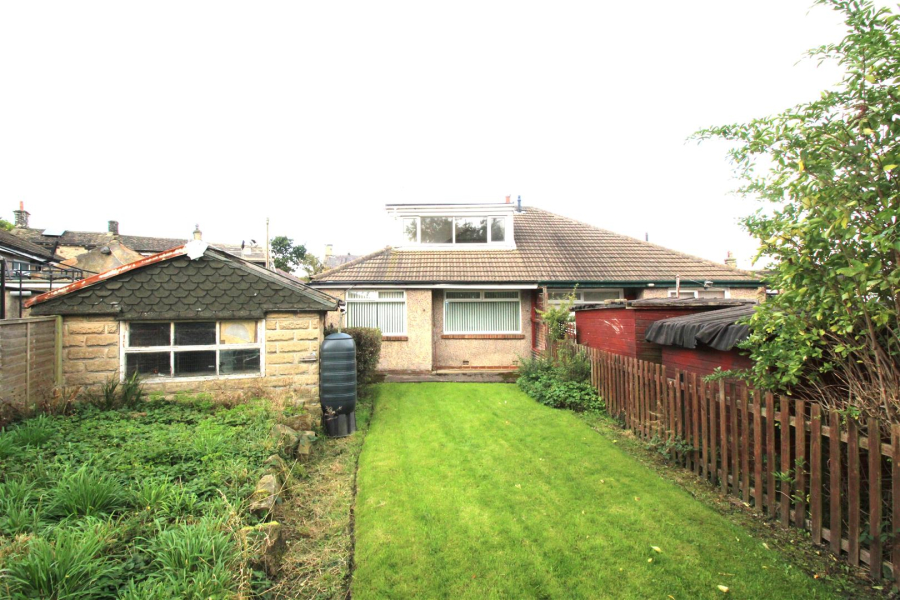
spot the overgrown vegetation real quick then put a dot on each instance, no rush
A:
(368, 350)
(120, 500)
(827, 172)
(561, 379)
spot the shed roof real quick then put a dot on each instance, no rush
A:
(549, 248)
(717, 328)
(172, 285)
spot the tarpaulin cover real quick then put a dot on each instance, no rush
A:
(717, 329)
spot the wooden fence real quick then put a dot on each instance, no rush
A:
(790, 459)
(30, 358)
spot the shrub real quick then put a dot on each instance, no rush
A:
(114, 394)
(73, 564)
(87, 492)
(552, 391)
(368, 350)
(34, 432)
(195, 560)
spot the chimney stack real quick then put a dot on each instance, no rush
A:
(731, 261)
(21, 215)
(329, 249)
(113, 227)
(198, 235)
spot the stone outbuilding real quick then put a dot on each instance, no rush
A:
(192, 319)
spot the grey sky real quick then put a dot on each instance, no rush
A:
(166, 114)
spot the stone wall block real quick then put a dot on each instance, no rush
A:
(88, 327)
(101, 340)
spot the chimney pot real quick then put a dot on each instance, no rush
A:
(508, 199)
(519, 204)
(113, 227)
(198, 235)
(21, 215)
(731, 261)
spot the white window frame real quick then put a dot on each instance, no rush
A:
(126, 349)
(481, 298)
(490, 241)
(692, 291)
(350, 301)
(579, 295)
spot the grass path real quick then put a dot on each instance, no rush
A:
(476, 491)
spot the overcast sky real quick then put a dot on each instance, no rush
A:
(315, 114)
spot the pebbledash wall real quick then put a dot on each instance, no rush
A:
(92, 354)
(425, 347)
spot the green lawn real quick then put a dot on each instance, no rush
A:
(477, 491)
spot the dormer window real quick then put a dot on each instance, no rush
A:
(454, 230)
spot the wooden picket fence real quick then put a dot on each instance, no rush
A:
(790, 459)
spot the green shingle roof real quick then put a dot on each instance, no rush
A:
(214, 286)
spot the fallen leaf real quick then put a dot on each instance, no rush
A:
(649, 560)
(723, 588)
(656, 549)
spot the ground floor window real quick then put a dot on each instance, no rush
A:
(586, 296)
(192, 348)
(699, 293)
(381, 309)
(482, 312)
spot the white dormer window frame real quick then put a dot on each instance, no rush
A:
(498, 223)
(490, 222)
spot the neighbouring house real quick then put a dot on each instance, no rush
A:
(703, 342)
(25, 264)
(70, 244)
(462, 284)
(194, 318)
(332, 260)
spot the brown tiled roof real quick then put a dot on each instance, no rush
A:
(549, 248)
(16, 243)
(139, 243)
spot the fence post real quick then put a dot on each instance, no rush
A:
(723, 424)
(853, 491)
(785, 406)
(800, 464)
(815, 469)
(875, 498)
(834, 480)
(27, 360)
(59, 350)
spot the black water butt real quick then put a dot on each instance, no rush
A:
(337, 384)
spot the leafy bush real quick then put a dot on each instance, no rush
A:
(87, 491)
(560, 383)
(74, 563)
(368, 349)
(114, 394)
(35, 432)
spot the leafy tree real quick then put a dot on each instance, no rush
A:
(312, 265)
(557, 317)
(6, 225)
(827, 174)
(286, 255)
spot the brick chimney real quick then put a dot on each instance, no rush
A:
(731, 261)
(21, 215)
(113, 227)
(198, 235)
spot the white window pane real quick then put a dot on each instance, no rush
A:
(600, 296)
(471, 231)
(498, 229)
(437, 230)
(237, 332)
(462, 295)
(410, 230)
(482, 317)
(390, 295)
(361, 295)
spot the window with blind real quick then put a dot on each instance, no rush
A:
(381, 309)
(482, 312)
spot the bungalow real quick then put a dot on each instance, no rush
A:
(194, 318)
(460, 287)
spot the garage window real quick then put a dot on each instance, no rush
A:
(182, 349)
